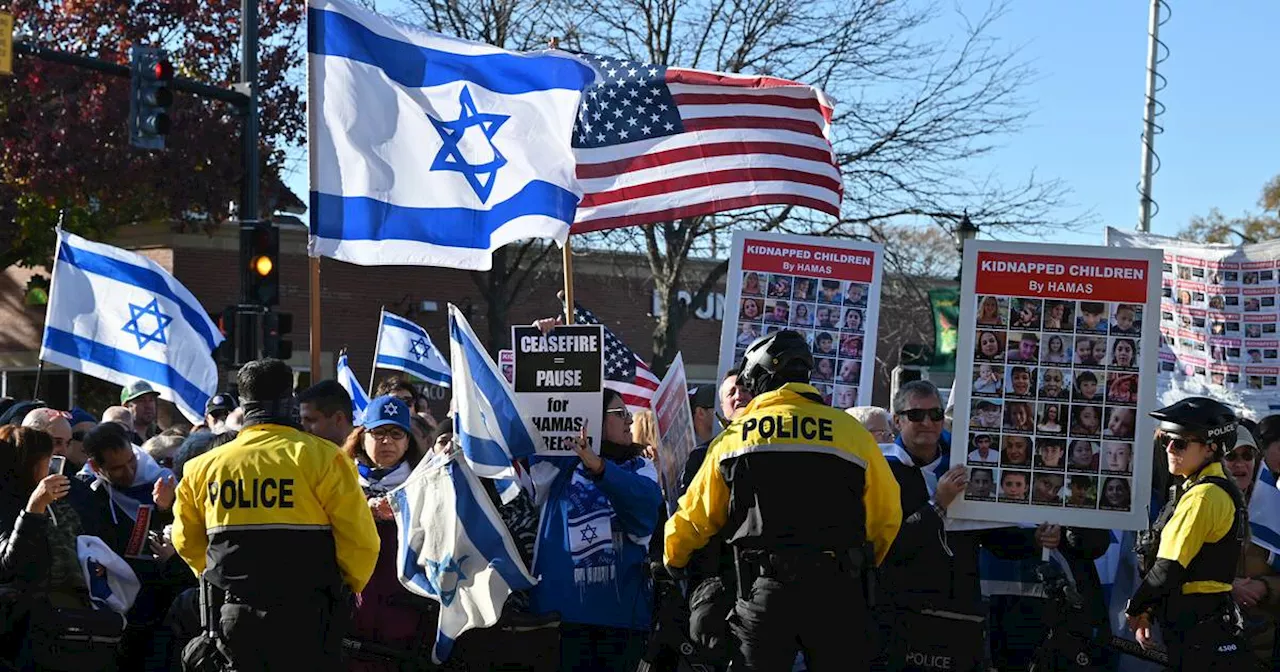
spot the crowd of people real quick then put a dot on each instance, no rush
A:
(804, 536)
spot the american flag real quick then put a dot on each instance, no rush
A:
(655, 143)
(623, 368)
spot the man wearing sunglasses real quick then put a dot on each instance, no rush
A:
(809, 506)
(1191, 551)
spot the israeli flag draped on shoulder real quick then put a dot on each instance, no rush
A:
(487, 422)
(406, 346)
(454, 548)
(431, 150)
(121, 317)
(896, 453)
(359, 398)
(1264, 514)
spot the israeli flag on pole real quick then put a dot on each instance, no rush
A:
(454, 548)
(359, 398)
(119, 316)
(430, 150)
(1264, 514)
(486, 421)
(405, 346)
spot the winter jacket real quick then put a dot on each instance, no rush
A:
(24, 546)
(593, 544)
(1262, 618)
(385, 612)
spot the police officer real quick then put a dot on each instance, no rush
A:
(1190, 553)
(808, 504)
(276, 520)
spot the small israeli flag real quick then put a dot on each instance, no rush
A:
(405, 346)
(121, 317)
(430, 150)
(454, 549)
(359, 398)
(487, 422)
(1264, 514)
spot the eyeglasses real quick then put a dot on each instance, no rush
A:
(621, 412)
(1246, 455)
(919, 414)
(388, 434)
(1175, 442)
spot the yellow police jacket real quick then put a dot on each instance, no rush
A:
(789, 472)
(1205, 514)
(274, 513)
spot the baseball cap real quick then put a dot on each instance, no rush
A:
(702, 396)
(220, 402)
(138, 388)
(387, 410)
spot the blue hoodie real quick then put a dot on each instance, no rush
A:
(593, 544)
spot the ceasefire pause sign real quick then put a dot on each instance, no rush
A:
(559, 380)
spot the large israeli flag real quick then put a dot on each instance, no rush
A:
(1264, 514)
(454, 548)
(359, 398)
(405, 346)
(119, 316)
(430, 150)
(486, 421)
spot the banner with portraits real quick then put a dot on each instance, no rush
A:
(1218, 321)
(828, 290)
(1054, 382)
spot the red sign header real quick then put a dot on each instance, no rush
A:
(834, 263)
(1047, 276)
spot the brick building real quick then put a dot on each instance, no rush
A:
(617, 287)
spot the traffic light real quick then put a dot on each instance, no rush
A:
(261, 246)
(150, 95)
(275, 326)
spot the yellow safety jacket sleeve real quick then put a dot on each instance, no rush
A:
(704, 508)
(354, 533)
(883, 502)
(190, 538)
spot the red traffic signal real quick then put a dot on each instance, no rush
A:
(163, 70)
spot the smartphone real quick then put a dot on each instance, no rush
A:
(56, 465)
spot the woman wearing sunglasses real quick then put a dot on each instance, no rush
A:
(1191, 551)
(1257, 585)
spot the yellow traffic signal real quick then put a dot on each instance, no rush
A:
(263, 265)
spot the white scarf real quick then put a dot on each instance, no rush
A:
(374, 485)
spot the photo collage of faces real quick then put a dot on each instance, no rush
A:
(1218, 322)
(1053, 403)
(829, 313)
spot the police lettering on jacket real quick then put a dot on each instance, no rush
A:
(788, 427)
(267, 493)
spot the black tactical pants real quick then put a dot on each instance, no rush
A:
(302, 634)
(823, 614)
(1204, 633)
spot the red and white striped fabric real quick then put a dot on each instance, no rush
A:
(655, 144)
(624, 371)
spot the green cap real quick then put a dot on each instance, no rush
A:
(138, 388)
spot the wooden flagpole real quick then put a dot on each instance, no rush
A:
(315, 319)
(566, 252)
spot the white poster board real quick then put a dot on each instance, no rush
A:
(1055, 377)
(675, 429)
(559, 383)
(1218, 321)
(828, 290)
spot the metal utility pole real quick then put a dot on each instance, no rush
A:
(248, 210)
(1149, 158)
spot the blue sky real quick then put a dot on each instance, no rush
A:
(1221, 141)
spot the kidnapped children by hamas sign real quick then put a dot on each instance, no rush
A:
(1055, 376)
(559, 383)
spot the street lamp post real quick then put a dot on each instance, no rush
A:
(963, 233)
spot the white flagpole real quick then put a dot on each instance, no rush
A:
(377, 345)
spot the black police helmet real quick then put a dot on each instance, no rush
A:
(1202, 419)
(775, 360)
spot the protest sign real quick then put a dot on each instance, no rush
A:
(507, 365)
(1218, 321)
(559, 380)
(828, 290)
(675, 429)
(1055, 377)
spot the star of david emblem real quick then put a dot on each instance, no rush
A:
(437, 570)
(453, 157)
(390, 409)
(147, 330)
(589, 533)
(419, 349)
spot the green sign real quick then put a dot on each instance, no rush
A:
(945, 305)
